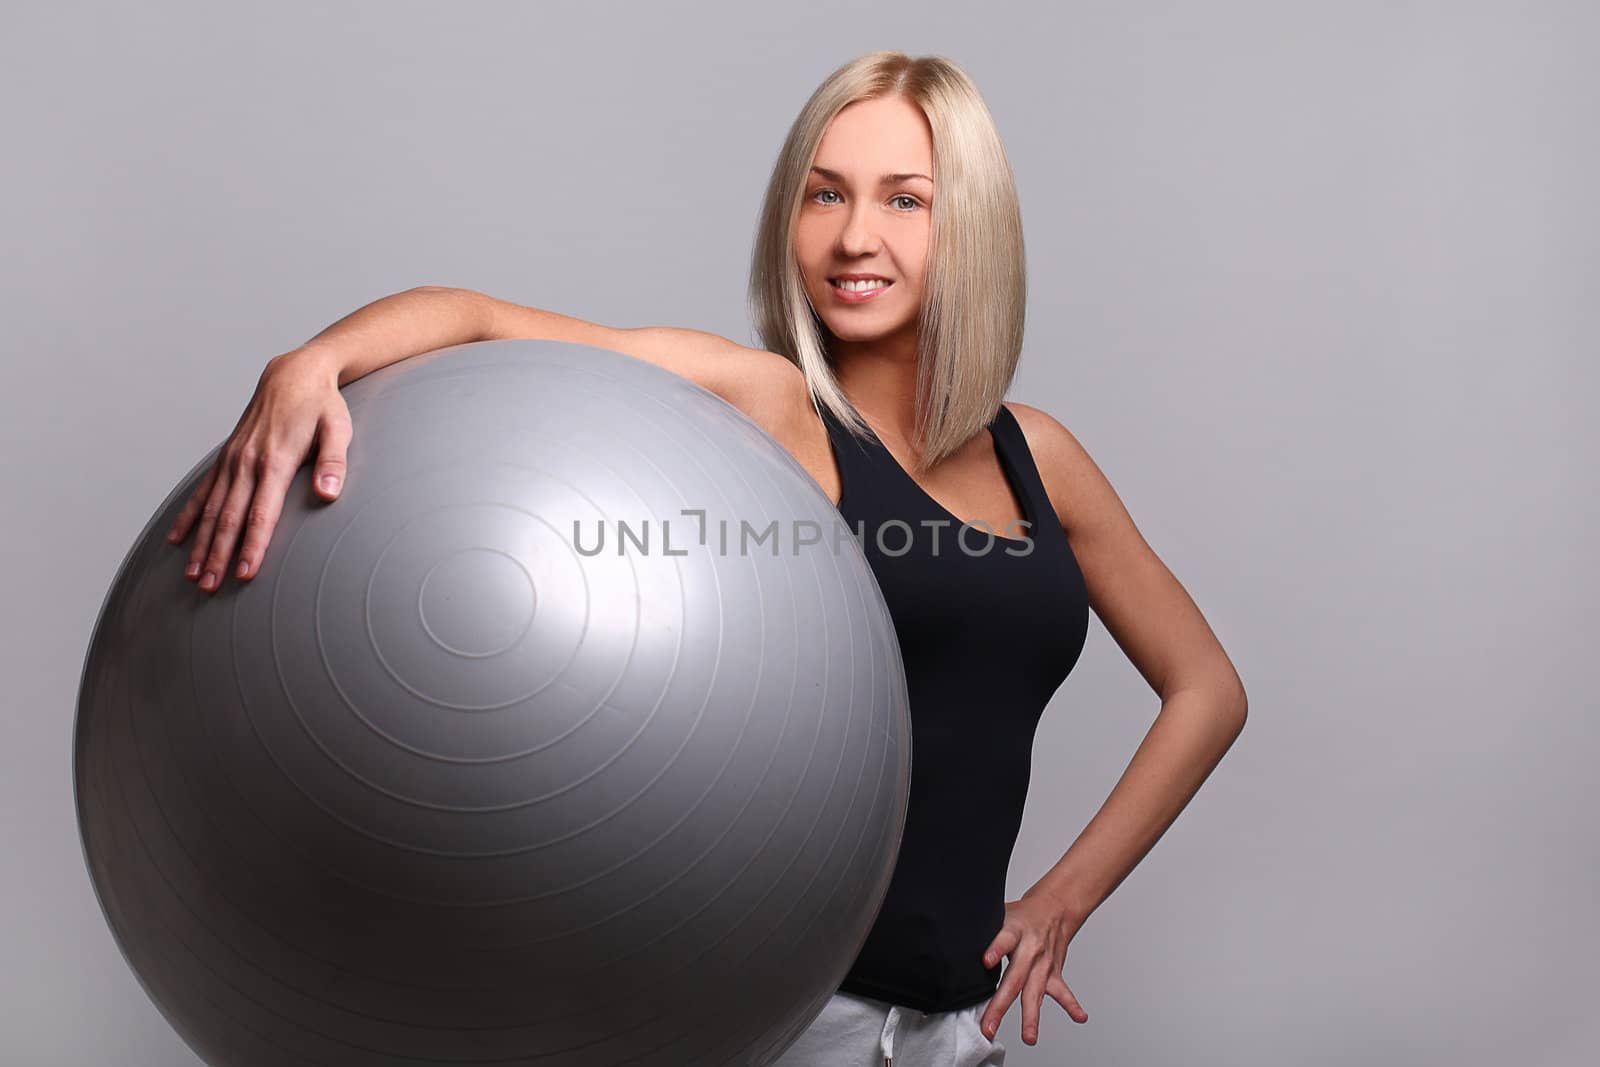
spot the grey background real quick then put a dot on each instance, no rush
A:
(1313, 283)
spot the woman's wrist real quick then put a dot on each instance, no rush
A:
(319, 360)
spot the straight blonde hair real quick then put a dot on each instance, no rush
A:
(969, 328)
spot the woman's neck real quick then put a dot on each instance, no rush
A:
(883, 387)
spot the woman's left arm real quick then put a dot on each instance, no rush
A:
(1203, 708)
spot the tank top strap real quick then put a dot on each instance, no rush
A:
(854, 456)
(1011, 446)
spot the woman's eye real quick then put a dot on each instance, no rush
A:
(905, 200)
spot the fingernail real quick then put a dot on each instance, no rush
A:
(329, 483)
(191, 570)
(243, 567)
(209, 580)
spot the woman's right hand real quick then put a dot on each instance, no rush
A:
(297, 404)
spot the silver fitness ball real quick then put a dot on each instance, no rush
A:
(445, 784)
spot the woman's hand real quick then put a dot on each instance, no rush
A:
(297, 403)
(1035, 935)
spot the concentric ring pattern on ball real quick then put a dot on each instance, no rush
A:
(446, 785)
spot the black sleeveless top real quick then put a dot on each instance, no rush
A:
(989, 625)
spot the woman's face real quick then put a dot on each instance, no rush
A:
(865, 215)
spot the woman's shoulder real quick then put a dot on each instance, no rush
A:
(1060, 458)
(1102, 533)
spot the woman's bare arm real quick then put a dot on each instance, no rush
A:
(431, 317)
(298, 412)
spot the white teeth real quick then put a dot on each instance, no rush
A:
(861, 287)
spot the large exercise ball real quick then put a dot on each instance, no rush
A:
(445, 785)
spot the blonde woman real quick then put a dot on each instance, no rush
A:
(887, 285)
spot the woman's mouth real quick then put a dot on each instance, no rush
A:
(857, 292)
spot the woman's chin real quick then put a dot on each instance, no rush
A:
(856, 331)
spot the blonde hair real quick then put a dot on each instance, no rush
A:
(970, 325)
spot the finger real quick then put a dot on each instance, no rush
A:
(191, 507)
(1010, 986)
(1033, 998)
(1063, 996)
(208, 518)
(1003, 944)
(274, 472)
(333, 444)
(230, 521)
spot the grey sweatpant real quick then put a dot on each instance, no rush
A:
(857, 1031)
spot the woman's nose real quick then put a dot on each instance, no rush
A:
(858, 236)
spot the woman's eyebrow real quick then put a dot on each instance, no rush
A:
(887, 179)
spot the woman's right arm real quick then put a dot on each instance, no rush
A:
(297, 404)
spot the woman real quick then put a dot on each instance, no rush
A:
(888, 284)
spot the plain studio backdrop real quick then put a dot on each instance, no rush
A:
(1315, 284)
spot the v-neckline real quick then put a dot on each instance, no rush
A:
(1007, 471)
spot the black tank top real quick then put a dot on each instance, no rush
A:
(989, 626)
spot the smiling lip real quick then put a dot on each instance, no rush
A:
(847, 297)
